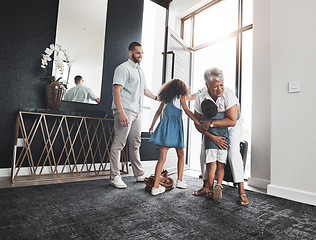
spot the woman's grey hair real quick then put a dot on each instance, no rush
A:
(213, 73)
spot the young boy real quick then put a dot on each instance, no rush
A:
(215, 157)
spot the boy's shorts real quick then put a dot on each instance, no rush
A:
(213, 155)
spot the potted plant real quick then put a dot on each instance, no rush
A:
(55, 88)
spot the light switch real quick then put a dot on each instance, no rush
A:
(294, 86)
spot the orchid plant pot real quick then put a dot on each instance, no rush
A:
(54, 95)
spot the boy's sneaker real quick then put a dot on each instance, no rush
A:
(180, 184)
(217, 192)
(118, 182)
(156, 191)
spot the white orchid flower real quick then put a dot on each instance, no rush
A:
(44, 63)
(49, 51)
(59, 56)
(46, 57)
(59, 63)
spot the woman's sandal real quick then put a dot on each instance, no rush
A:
(218, 192)
(243, 200)
(209, 194)
(200, 192)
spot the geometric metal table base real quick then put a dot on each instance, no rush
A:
(56, 146)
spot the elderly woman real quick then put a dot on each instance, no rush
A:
(227, 102)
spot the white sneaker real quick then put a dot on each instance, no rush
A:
(140, 178)
(118, 182)
(180, 184)
(156, 191)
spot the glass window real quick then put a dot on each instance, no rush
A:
(247, 12)
(187, 31)
(216, 44)
(221, 55)
(216, 21)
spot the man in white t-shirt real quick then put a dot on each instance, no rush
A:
(227, 102)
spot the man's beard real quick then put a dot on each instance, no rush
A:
(135, 59)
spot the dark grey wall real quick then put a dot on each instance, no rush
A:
(124, 25)
(26, 28)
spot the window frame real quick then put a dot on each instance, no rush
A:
(238, 33)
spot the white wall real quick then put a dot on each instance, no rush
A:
(293, 51)
(284, 43)
(261, 96)
(282, 134)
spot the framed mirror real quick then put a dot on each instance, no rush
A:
(81, 32)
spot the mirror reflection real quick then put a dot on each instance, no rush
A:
(80, 92)
(81, 31)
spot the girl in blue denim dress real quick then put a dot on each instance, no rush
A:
(169, 132)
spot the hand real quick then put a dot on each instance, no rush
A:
(150, 130)
(220, 142)
(123, 119)
(205, 125)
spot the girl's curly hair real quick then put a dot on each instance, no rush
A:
(171, 89)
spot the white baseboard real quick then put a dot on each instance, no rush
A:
(24, 171)
(5, 172)
(292, 194)
(258, 183)
(149, 167)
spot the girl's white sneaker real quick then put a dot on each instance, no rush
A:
(156, 191)
(180, 184)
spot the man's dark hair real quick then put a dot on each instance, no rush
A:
(78, 78)
(132, 46)
(209, 108)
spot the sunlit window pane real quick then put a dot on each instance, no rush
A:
(247, 12)
(221, 55)
(187, 31)
(216, 21)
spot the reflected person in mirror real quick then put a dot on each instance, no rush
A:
(80, 93)
(129, 89)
